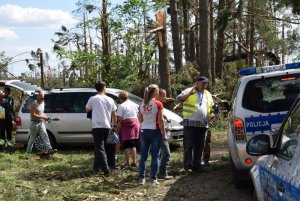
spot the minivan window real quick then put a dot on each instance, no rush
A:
(272, 94)
(48, 103)
(73, 102)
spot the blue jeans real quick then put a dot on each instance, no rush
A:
(165, 154)
(149, 138)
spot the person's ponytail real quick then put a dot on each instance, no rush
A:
(148, 93)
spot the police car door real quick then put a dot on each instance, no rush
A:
(282, 181)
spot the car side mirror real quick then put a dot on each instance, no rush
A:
(258, 145)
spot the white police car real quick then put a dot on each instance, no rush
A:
(276, 176)
(259, 104)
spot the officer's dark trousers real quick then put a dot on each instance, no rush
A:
(193, 144)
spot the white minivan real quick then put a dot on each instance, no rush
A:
(69, 123)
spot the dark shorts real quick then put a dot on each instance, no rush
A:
(129, 144)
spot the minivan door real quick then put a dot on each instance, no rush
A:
(69, 118)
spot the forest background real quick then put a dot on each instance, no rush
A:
(168, 43)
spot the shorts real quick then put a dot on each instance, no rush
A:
(129, 144)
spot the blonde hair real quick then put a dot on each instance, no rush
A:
(123, 95)
(149, 92)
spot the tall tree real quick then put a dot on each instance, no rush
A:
(105, 39)
(212, 41)
(221, 26)
(204, 62)
(186, 28)
(177, 50)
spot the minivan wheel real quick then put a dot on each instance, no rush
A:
(239, 178)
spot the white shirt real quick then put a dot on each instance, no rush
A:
(127, 110)
(150, 114)
(102, 106)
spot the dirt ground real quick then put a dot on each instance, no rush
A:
(213, 183)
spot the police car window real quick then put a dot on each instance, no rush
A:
(290, 134)
(273, 94)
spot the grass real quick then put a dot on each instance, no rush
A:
(69, 176)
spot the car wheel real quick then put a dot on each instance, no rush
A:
(239, 178)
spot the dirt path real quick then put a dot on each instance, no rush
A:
(214, 183)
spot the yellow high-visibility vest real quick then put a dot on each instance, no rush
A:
(190, 104)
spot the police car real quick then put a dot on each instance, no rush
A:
(259, 104)
(276, 176)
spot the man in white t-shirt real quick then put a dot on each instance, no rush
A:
(103, 114)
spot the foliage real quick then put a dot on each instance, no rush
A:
(294, 4)
(4, 60)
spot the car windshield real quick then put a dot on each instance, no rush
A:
(272, 94)
(131, 96)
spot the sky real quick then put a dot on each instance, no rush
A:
(26, 25)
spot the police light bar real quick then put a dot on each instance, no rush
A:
(267, 69)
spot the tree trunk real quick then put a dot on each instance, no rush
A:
(186, 29)
(197, 36)
(204, 62)
(177, 51)
(163, 65)
(105, 40)
(251, 41)
(220, 44)
(212, 42)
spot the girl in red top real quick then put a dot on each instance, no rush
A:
(152, 132)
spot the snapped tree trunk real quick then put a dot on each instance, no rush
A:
(163, 65)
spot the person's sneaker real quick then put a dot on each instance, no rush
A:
(142, 181)
(166, 177)
(124, 166)
(155, 182)
(206, 162)
(106, 174)
(188, 170)
(52, 151)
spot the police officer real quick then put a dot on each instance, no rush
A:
(197, 109)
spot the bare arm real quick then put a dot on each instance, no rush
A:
(119, 120)
(88, 109)
(140, 117)
(185, 96)
(161, 124)
(113, 118)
